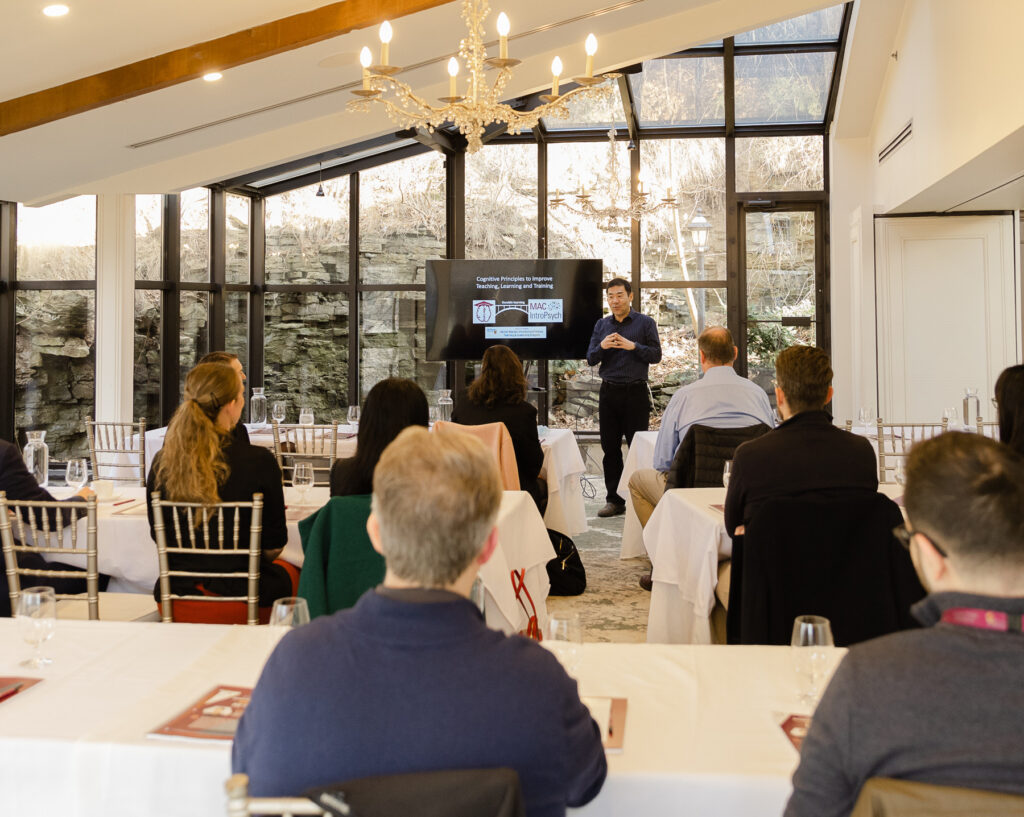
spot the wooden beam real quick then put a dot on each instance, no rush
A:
(186, 64)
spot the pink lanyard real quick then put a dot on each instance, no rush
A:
(982, 619)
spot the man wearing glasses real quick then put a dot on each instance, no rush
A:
(943, 704)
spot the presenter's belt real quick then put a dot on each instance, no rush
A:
(627, 385)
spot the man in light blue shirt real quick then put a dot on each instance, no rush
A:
(720, 399)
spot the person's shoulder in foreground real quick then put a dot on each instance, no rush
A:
(411, 679)
(944, 704)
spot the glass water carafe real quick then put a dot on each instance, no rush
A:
(969, 396)
(37, 457)
(445, 404)
(258, 406)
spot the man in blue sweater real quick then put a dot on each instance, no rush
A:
(411, 679)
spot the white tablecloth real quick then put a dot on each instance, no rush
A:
(701, 736)
(128, 554)
(685, 538)
(640, 455)
(562, 468)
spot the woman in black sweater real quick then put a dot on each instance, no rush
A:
(498, 395)
(1010, 404)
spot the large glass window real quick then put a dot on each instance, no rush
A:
(307, 235)
(236, 251)
(58, 242)
(771, 163)
(195, 235)
(148, 267)
(680, 92)
(392, 340)
(501, 202)
(782, 88)
(820, 26)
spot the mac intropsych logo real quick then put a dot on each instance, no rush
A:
(483, 312)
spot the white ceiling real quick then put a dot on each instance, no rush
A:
(262, 113)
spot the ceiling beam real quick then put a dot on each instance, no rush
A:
(191, 62)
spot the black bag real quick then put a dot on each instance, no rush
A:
(566, 572)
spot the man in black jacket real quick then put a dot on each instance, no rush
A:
(806, 454)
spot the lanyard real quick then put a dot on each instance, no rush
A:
(983, 619)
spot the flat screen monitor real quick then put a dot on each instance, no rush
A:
(541, 309)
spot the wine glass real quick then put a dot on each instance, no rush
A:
(353, 416)
(77, 474)
(565, 632)
(279, 411)
(289, 612)
(726, 472)
(37, 618)
(302, 479)
(812, 654)
(953, 416)
(306, 416)
(864, 417)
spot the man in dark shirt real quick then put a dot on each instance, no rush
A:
(411, 679)
(805, 454)
(625, 343)
(943, 704)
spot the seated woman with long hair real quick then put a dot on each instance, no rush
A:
(498, 395)
(201, 461)
(392, 405)
(1010, 403)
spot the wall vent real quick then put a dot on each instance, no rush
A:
(900, 138)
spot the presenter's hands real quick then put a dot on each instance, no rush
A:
(616, 341)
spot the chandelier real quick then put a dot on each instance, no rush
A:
(481, 104)
(642, 203)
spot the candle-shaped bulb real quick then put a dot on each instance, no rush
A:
(556, 72)
(385, 42)
(453, 72)
(365, 58)
(504, 27)
(591, 47)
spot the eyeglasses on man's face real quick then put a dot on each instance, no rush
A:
(904, 535)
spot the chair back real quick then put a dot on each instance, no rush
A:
(703, 452)
(830, 556)
(896, 439)
(990, 430)
(886, 797)
(43, 527)
(117, 450)
(315, 444)
(212, 531)
(496, 437)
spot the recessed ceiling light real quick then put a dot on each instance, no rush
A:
(57, 10)
(213, 76)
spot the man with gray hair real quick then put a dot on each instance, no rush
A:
(943, 704)
(411, 679)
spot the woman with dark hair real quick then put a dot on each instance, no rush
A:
(392, 405)
(1010, 403)
(201, 461)
(498, 395)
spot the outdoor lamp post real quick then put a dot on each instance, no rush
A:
(700, 230)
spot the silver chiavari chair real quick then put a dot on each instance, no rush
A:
(315, 444)
(192, 524)
(117, 450)
(240, 804)
(896, 439)
(988, 429)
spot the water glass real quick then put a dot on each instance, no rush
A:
(812, 654)
(953, 416)
(864, 417)
(565, 634)
(302, 479)
(279, 411)
(353, 416)
(900, 471)
(77, 474)
(289, 612)
(306, 416)
(37, 619)
(434, 414)
(726, 472)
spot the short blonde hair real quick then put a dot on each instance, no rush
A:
(436, 498)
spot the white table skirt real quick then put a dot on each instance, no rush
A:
(562, 468)
(686, 538)
(127, 553)
(701, 737)
(640, 455)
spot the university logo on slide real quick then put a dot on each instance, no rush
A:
(484, 312)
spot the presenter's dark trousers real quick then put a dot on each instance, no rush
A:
(623, 410)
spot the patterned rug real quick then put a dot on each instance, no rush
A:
(613, 607)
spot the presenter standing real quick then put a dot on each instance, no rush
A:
(625, 343)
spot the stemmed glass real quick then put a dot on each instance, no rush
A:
(726, 473)
(953, 416)
(77, 474)
(37, 618)
(289, 612)
(353, 416)
(306, 416)
(864, 417)
(279, 411)
(812, 654)
(565, 632)
(302, 479)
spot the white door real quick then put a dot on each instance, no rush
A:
(947, 307)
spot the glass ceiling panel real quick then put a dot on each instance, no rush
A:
(313, 168)
(782, 88)
(680, 92)
(818, 26)
(602, 111)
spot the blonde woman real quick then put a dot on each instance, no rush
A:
(201, 461)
